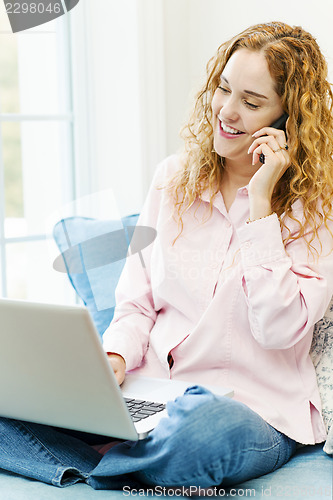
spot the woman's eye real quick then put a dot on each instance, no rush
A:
(250, 105)
(223, 89)
(247, 103)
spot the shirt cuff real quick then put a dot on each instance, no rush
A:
(261, 241)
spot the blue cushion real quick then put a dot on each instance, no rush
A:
(93, 254)
(307, 475)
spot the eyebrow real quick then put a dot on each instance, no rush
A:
(250, 92)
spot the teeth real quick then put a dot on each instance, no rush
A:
(229, 130)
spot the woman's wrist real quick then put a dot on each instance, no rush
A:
(260, 208)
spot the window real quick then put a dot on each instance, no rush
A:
(36, 157)
(82, 124)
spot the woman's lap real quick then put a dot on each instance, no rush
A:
(205, 441)
(44, 453)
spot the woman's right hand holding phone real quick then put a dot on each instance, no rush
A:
(272, 143)
(118, 365)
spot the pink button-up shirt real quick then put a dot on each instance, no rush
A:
(231, 304)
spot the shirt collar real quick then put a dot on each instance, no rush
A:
(205, 195)
(243, 190)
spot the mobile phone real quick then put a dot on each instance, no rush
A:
(280, 124)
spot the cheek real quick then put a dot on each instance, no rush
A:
(251, 127)
(216, 103)
(253, 123)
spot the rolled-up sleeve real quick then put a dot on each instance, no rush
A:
(287, 289)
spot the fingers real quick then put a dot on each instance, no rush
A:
(277, 158)
(268, 140)
(276, 142)
(275, 132)
(118, 365)
(120, 376)
(273, 142)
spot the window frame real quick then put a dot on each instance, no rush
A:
(64, 47)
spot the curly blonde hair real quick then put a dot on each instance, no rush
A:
(299, 70)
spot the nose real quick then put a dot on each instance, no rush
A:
(228, 110)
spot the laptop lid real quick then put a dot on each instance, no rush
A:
(54, 371)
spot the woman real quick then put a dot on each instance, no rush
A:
(239, 273)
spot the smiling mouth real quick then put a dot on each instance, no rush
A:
(230, 130)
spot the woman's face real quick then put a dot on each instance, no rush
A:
(244, 102)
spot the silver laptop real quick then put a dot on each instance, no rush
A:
(53, 370)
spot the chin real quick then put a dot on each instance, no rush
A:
(225, 152)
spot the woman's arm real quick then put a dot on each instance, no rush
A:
(287, 290)
(135, 314)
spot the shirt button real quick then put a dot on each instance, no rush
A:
(228, 225)
(247, 244)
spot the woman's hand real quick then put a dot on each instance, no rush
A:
(118, 365)
(272, 144)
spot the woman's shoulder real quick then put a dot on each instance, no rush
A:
(169, 167)
(297, 221)
(298, 211)
(162, 178)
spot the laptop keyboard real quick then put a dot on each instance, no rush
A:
(140, 409)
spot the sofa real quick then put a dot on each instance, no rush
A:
(92, 254)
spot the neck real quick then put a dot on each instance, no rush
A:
(237, 174)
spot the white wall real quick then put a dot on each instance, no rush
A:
(107, 101)
(119, 97)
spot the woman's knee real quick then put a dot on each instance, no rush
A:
(187, 445)
(200, 420)
(196, 420)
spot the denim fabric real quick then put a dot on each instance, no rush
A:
(44, 453)
(205, 441)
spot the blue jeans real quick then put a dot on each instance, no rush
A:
(205, 441)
